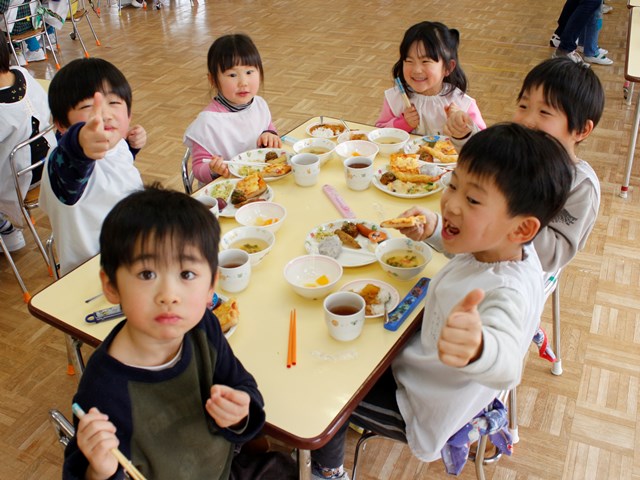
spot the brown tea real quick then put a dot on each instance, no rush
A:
(344, 310)
(232, 265)
(358, 165)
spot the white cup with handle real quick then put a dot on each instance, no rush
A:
(306, 168)
(234, 267)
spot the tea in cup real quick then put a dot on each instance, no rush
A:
(210, 202)
(306, 168)
(358, 172)
(344, 315)
(235, 270)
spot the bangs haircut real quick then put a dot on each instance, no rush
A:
(229, 51)
(531, 168)
(570, 88)
(81, 79)
(159, 222)
(439, 43)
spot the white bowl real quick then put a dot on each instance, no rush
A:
(237, 237)
(302, 273)
(264, 215)
(399, 137)
(316, 129)
(315, 145)
(346, 136)
(355, 148)
(384, 249)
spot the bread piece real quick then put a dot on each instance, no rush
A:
(248, 188)
(404, 222)
(275, 170)
(228, 314)
(404, 163)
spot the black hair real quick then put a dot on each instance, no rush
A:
(440, 43)
(230, 50)
(4, 56)
(81, 79)
(530, 167)
(171, 220)
(569, 87)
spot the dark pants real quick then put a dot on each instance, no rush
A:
(378, 412)
(575, 15)
(263, 466)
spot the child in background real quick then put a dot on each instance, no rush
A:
(565, 100)
(483, 307)
(92, 167)
(435, 83)
(24, 113)
(165, 387)
(237, 119)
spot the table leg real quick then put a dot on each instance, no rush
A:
(632, 150)
(304, 464)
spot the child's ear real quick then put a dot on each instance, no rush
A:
(59, 126)
(212, 83)
(586, 131)
(213, 284)
(525, 230)
(109, 289)
(451, 67)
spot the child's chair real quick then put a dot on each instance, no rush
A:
(31, 13)
(552, 287)
(187, 175)
(77, 12)
(479, 458)
(63, 427)
(27, 201)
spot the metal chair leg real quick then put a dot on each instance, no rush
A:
(75, 361)
(513, 416)
(364, 438)
(63, 427)
(26, 296)
(556, 367)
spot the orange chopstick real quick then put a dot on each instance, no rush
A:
(290, 345)
(294, 342)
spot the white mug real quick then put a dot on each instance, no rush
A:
(306, 168)
(344, 315)
(358, 172)
(210, 202)
(235, 270)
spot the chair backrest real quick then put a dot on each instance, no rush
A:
(187, 174)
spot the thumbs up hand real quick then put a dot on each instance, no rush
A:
(460, 340)
(93, 137)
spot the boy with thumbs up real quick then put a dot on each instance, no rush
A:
(483, 307)
(92, 168)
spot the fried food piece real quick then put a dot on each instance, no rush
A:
(350, 228)
(386, 178)
(228, 314)
(347, 240)
(270, 156)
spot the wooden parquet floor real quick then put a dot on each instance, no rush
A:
(334, 58)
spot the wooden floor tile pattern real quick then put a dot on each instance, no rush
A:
(335, 58)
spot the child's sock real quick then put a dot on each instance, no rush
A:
(319, 472)
(542, 341)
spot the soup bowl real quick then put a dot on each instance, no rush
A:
(323, 147)
(265, 215)
(355, 148)
(313, 276)
(257, 242)
(389, 140)
(402, 258)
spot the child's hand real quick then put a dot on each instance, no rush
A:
(411, 116)
(218, 167)
(137, 137)
(93, 138)
(421, 231)
(227, 406)
(460, 341)
(459, 123)
(269, 140)
(96, 437)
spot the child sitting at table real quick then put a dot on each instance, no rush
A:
(435, 83)
(483, 307)
(566, 100)
(237, 119)
(164, 387)
(92, 167)
(24, 113)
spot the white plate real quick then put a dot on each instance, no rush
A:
(256, 155)
(413, 146)
(223, 188)
(337, 125)
(229, 332)
(376, 183)
(349, 257)
(358, 285)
